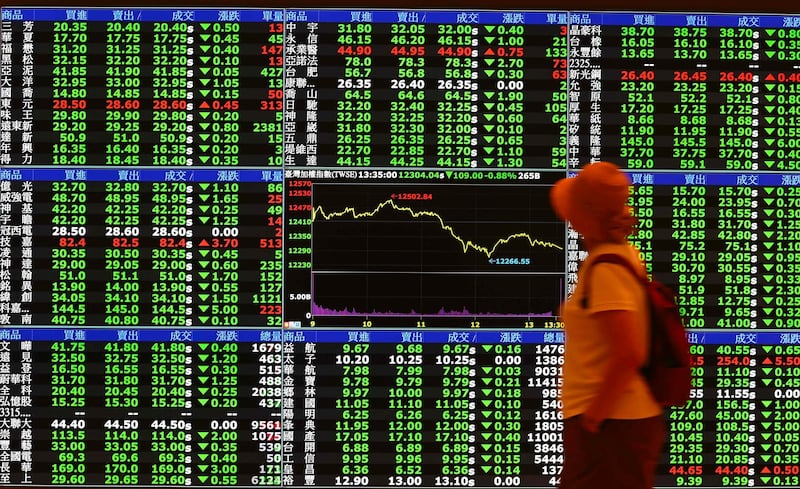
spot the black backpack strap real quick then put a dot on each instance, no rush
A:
(607, 258)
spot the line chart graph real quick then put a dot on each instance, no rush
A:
(444, 250)
(435, 228)
(465, 243)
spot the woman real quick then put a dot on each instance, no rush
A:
(613, 427)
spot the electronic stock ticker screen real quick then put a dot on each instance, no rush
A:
(314, 247)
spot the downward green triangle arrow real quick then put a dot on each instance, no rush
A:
(205, 69)
(489, 95)
(490, 28)
(488, 161)
(770, 108)
(486, 436)
(203, 319)
(205, 26)
(202, 456)
(486, 392)
(486, 468)
(204, 263)
(768, 321)
(768, 289)
(203, 357)
(489, 61)
(769, 163)
(489, 149)
(203, 346)
(204, 208)
(769, 190)
(767, 414)
(769, 310)
(766, 446)
(203, 434)
(204, 125)
(766, 425)
(767, 402)
(765, 479)
(203, 401)
(769, 141)
(770, 42)
(485, 414)
(486, 446)
(204, 114)
(204, 253)
(489, 39)
(488, 127)
(202, 390)
(489, 138)
(203, 307)
(768, 370)
(769, 97)
(489, 73)
(204, 478)
(204, 48)
(769, 130)
(487, 348)
(489, 117)
(488, 105)
(770, 32)
(204, 275)
(205, 37)
(486, 457)
(769, 86)
(204, 147)
(486, 402)
(203, 368)
(770, 54)
(203, 285)
(486, 370)
(205, 81)
(449, 173)
(769, 152)
(205, 59)
(205, 137)
(486, 424)
(486, 381)
(769, 120)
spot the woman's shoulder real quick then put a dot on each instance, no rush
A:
(624, 250)
(601, 254)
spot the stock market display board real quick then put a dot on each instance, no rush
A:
(287, 247)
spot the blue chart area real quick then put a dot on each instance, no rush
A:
(435, 250)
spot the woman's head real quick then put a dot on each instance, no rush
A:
(595, 202)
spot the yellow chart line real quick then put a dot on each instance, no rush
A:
(465, 244)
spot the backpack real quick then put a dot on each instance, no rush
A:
(668, 371)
